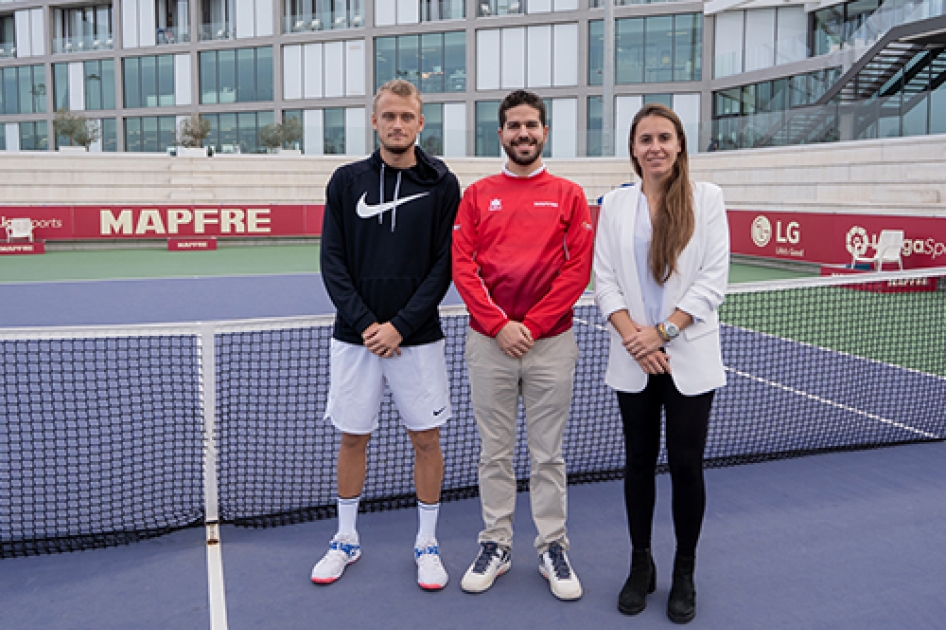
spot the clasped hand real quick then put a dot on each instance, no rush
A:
(382, 339)
(645, 347)
(515, 339)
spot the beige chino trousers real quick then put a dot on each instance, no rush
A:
(544, 378)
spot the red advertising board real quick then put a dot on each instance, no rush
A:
(822, 238)
(832, 239)
(53, 223)
(894, 285)
(15, 249)
(192, 244)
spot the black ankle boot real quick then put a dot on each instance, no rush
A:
(681, 607)
(641, 581)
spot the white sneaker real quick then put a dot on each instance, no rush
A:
(492, 562)
(431, 576)
(554, 566)
(342, 551)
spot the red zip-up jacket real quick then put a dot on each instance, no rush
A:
(522, 251)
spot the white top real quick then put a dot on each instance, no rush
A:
(697, 288)
(653, 293)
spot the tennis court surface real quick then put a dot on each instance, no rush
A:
(104, 443)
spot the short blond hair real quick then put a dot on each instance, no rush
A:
(402, 88)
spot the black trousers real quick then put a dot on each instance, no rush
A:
(687, 421)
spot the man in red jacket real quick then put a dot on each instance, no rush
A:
(522, 252)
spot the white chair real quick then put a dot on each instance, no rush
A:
(887, 250)
(19, 228)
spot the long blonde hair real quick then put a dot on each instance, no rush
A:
(674, 223)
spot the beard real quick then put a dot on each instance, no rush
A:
(529, 158)
(397, 149)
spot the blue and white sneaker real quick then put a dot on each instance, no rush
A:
(431, 576)
(342, 551)
(491, 562)
(555, 567)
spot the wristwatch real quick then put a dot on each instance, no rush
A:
(668, 330)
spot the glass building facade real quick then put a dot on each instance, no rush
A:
(140, 67)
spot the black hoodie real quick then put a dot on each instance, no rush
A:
(386, 246)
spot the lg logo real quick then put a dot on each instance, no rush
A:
(762, 231)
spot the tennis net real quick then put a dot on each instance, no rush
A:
(108, 436)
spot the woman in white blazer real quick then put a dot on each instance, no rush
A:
(661, 269)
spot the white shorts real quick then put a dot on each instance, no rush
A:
(417, 378)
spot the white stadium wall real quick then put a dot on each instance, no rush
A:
(892, 176)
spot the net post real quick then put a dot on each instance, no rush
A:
(209, 403)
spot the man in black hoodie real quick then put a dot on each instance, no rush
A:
(386, 242)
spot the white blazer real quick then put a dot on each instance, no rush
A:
(698, 288)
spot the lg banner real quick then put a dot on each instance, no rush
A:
(832, 239)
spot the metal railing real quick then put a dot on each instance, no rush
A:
(84, 43)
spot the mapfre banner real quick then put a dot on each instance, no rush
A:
(121, 222)
(808, 237)
(832, 239)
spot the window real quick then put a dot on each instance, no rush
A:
(217, 19)
(236, 76)
(595, 118)
(655, 49)
(687, 39)
(99, 77)
(318, 15)
(333, 124)
(487, 125)
(7, 36)
(237, 132)
(487, 8)
(172, 21)
(150, 134)
(296, 114)
(629, 51)
(24, 90)
(33, 136)
(82, 29)
(149, 81)
(109, 135)
(595, 52)
(431, 138)
(433, 10)
(434, 62)
(826, 30)
(60, 86)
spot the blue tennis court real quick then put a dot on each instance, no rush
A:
(847, 539)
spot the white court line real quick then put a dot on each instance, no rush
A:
(813, 397)
(842, 353)
(834, 404)
(216, 592)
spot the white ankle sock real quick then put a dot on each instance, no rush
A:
(347, 515)
(427, 521)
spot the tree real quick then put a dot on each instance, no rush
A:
(193, 131)
(284, 134)
(80, 131)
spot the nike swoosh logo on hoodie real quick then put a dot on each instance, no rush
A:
(366, 211)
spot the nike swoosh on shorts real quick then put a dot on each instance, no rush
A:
(366, 211)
